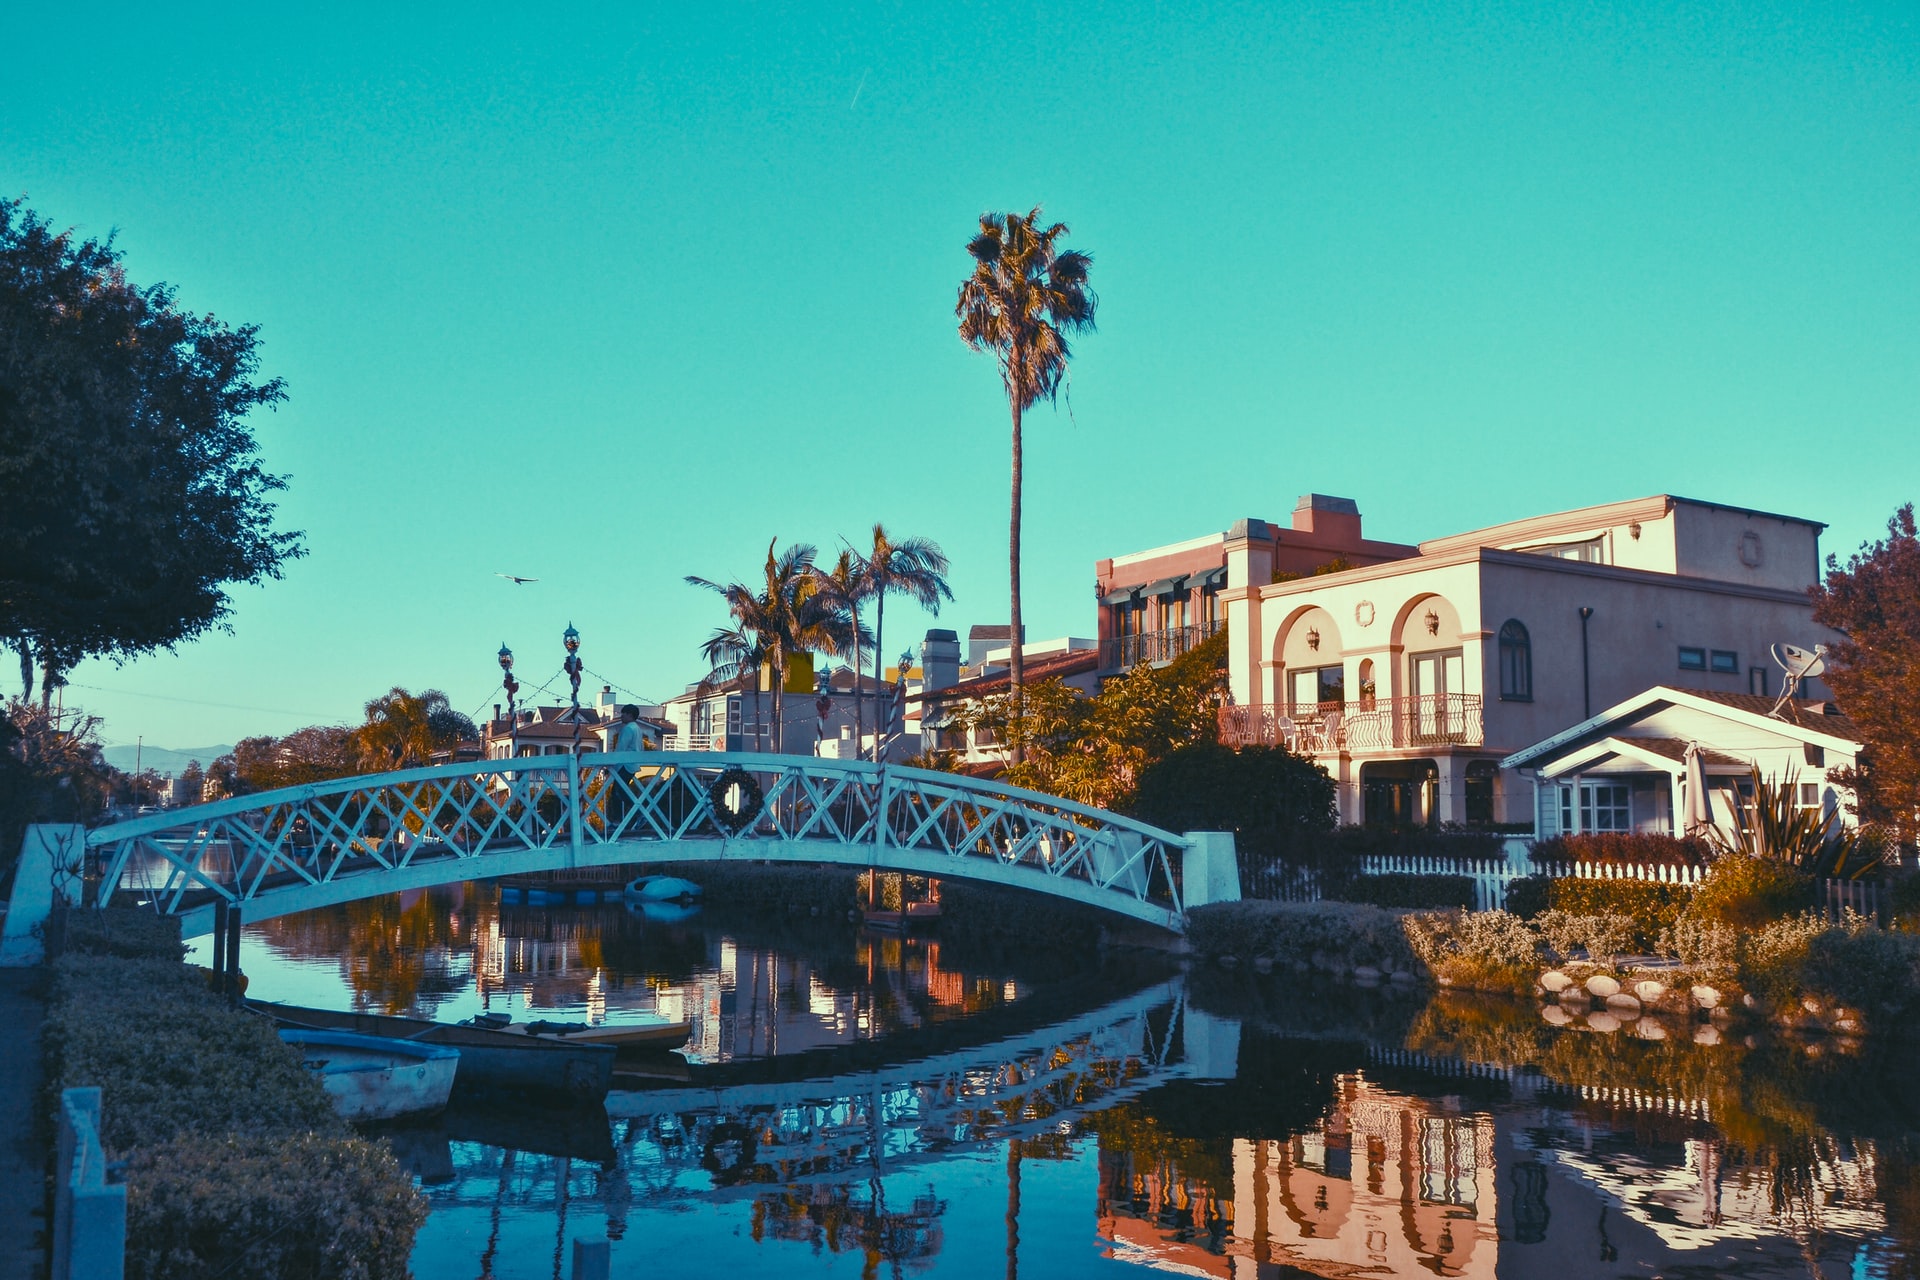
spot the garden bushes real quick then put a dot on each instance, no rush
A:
(1652, 907)
(237, 1164)
(1748, 892)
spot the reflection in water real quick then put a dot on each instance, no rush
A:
(450, 953)
(871, 1107)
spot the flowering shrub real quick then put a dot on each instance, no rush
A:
(1487, 950)
(1706, 947)
(1601, 936)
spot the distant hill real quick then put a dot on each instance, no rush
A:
(165, 759)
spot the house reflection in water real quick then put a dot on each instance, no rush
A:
(1389, 1184)
(1551, 1184)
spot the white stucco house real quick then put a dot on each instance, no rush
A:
(1413, 679)
(1626, 769)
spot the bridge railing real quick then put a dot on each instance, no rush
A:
(575, 808)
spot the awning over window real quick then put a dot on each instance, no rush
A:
(1210, 579)
(1168, 586)
(1120, 595)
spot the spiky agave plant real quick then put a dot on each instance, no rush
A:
(1779, 829)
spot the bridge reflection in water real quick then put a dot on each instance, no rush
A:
(881, 1099)
(1094, 1140)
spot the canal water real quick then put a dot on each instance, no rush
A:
(854, 1105)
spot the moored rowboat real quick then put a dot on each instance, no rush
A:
(489, 1058)
(374, 1078)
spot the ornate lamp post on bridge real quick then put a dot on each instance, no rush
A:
(512, 687)
(573, 667)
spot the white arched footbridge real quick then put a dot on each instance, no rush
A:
(298, 848)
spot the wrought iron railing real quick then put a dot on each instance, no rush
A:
(1120, 653)
(1383, 724)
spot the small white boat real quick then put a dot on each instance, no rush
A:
(374, 1078)
(662, 889)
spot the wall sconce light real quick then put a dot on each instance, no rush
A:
(1313, 639)
(1633, 530)
(1433, 623)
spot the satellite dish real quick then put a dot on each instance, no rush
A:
(1799, 664)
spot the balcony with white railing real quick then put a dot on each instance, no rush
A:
(1358, 728)
(1123, 653)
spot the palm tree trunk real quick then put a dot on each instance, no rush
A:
(859, 720)
(879, 658)
(779, 695)
(1017, 680)
(26, 669)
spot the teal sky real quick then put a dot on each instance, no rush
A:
(607, 298)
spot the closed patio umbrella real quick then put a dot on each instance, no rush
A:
(1699, 802)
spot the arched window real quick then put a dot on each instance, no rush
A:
(1516, 663)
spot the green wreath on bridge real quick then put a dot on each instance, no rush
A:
(731, 820)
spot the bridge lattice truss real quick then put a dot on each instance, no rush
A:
(303, 847)
(739, 1141)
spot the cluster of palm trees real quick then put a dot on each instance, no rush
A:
(800, 607)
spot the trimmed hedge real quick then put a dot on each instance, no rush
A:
(132, 933)
(1623, 848)
(237, 1164)
(1430, 892)
(1319, 934)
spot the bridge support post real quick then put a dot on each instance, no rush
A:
(50, 860)
(1209, 870)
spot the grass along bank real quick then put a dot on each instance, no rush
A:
(236, 1164)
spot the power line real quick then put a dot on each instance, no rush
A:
(635, 694)
(200, 702)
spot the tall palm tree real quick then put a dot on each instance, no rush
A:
(1026, 294)
(848, 586)
(912, 567)
(789, 614)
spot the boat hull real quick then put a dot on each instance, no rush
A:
(489, 1060)
(374, 1078)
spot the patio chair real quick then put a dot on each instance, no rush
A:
(1327, 736)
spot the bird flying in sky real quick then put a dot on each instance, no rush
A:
(516, 581)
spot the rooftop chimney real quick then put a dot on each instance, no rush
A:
(1327, 517)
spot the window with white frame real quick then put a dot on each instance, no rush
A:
(733, 717)
(1606, 806)
(1566, 809)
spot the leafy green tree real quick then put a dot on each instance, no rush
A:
(1874, 668)
(1277, 804)
(131, 492)
(788, 614)
(912, 567)
(49, 772)
(313, 754)
(1094, 749)
(1025, 295)
(191, 778)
